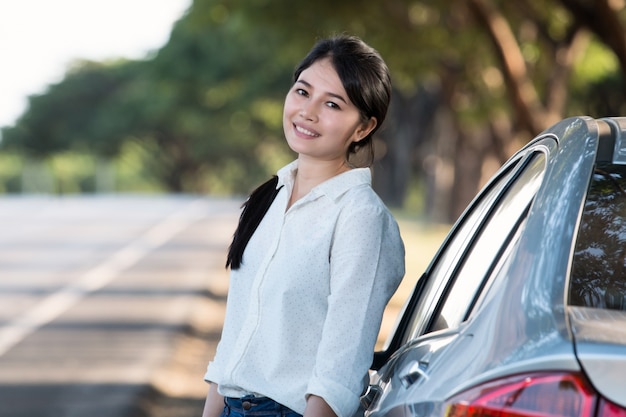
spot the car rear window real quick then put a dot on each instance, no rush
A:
(598, 277)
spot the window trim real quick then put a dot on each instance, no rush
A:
(521, 167)
(513, 168)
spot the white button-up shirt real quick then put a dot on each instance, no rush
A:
(305, 307)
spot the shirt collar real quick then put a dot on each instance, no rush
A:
(334, 187)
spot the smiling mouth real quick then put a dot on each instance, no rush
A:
(306, 132)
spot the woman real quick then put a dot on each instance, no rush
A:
(316, 255)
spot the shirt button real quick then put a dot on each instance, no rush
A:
(246, 405)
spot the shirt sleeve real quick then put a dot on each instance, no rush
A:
(212, 373)
(366, 267)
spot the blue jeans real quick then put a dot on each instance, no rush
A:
(255, 406)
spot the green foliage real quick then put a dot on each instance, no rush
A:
(597, 86)
(204, 114)
(70, 114)
(10, 173)
(132, 169)
(73, 172)
(597, 63)
(208, 100)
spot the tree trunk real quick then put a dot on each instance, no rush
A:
(399, 144)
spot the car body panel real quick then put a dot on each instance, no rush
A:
(519, 321)
(601, 349)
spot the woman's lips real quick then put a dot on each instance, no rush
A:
(304, 132)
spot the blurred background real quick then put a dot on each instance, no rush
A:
(201, 111)
(131, 130)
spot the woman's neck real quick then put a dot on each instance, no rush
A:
(310, 174)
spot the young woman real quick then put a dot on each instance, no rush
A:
(316, 255)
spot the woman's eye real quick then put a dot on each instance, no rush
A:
(332, 105)
(301, 92)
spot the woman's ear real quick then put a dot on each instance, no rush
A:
(365, 128)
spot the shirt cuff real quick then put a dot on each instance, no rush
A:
(212, 373)
(342, 401)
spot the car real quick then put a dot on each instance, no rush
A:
(522, 311)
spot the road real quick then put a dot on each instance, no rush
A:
(110, 306)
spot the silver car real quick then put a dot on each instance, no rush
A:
(522, 312)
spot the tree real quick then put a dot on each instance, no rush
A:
(68, 113)
(193, 107)
(536, 49)
(473, 81)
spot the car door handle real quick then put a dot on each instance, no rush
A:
(412, 372)
(373, 391)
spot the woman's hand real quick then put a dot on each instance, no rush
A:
(214, 404)
(317, 407)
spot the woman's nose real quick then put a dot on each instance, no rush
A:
(307, 112)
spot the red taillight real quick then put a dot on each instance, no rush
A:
(537, 395)
(608, 409)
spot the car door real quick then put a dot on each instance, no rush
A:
(444, 296)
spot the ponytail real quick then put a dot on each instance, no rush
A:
(254, 210)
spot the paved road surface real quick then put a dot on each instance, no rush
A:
(108, 304)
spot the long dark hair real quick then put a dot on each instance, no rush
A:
(364, 76)
(254, 209)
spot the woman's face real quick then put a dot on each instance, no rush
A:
(319, 120)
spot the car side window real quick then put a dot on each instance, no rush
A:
(435, 281)
(461, 268)
(490, 244)
(598, 273)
